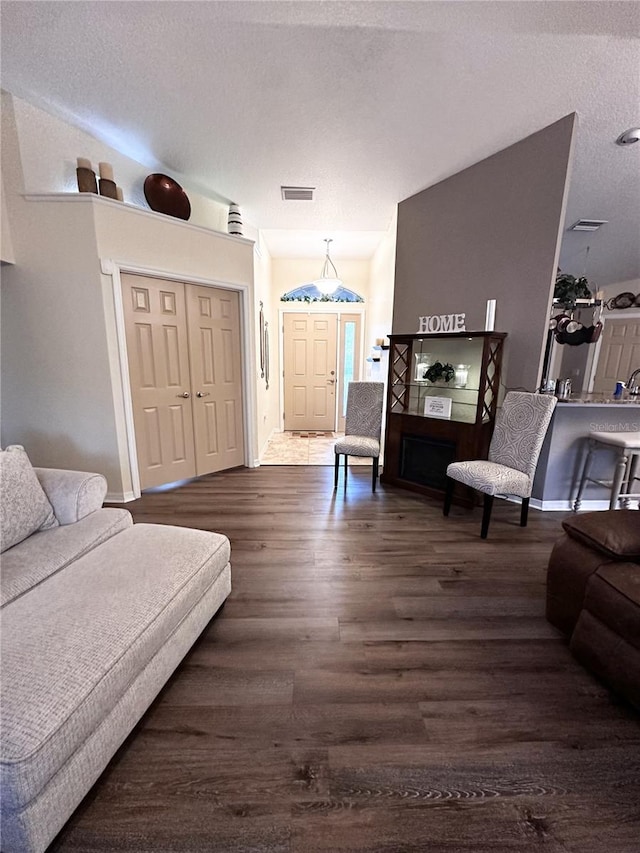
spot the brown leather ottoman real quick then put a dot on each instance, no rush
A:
(593, 595)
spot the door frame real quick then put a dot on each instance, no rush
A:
(318, 308)
(120, 364)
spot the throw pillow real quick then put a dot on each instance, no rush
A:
(24, 507)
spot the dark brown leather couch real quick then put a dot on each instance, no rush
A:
(593, 595)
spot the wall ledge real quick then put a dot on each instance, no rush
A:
(91, 198)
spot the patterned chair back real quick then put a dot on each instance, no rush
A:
(520, 429)
(364, 409)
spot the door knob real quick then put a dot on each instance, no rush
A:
(330, 381)
(202, 393)
(186, 395)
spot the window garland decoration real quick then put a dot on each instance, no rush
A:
(310, 293)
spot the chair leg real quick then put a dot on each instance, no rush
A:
(336, 468)
(486, 515)
(448, 495)
(524, 512)
(346, 469)
(375, 473)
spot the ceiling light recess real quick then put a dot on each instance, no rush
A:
(297, 193)
(328, 283)
(588, 224)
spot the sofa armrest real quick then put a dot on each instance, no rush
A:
(72, 494)
(614, 532)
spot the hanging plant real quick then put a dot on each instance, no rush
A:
(569, 288)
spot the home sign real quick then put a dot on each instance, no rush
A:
(441, 323)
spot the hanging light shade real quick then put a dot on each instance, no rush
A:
(328, 282)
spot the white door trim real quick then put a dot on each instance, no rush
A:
(317, 308)
(120, 370)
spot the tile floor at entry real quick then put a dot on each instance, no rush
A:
(304, 448)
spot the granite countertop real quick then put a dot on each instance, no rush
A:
(601, 400)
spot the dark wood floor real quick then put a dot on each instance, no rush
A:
(380, 679)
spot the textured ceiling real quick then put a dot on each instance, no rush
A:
(369, 102)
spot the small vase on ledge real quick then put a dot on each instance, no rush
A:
(86, 176)
(234, 221)
(107, 185)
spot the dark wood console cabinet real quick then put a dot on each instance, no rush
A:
(419, 445)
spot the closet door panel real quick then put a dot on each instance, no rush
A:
(216, 376)
(158, 354)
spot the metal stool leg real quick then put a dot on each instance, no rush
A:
(628, 487)
(585, 471)
(618, 478)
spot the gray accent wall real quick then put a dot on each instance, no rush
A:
(492, 231)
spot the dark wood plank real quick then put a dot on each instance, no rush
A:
(380, 679)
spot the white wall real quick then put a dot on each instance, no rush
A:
(49, 148)
(288, 273)
(610, 290)
(6, 243)
(268, 405)
(61, 392)
(381, 283)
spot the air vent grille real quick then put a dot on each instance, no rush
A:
(297, 193)
(588, 224)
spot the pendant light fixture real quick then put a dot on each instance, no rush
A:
(328, 283)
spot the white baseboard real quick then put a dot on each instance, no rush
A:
(119, 497)
(560, 506)
(567, 506)
(274, 431)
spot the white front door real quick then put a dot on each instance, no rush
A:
(310, 364)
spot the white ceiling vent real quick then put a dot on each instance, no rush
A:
(588, 224)
(297, 193)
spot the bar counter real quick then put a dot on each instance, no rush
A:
(565, 447)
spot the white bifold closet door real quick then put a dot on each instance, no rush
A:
(183, 347)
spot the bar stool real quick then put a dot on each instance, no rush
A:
(627, 445)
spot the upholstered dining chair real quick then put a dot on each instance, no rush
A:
(363, 426)
(519, 432)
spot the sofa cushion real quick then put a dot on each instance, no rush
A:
(24, 507)
(73, 645)
(613, 595)
(358, 445)
(615, 532)
(44, 553)
(490, 478)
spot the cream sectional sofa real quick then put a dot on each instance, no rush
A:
(96, 613)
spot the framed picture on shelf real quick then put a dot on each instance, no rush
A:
(437, 407)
